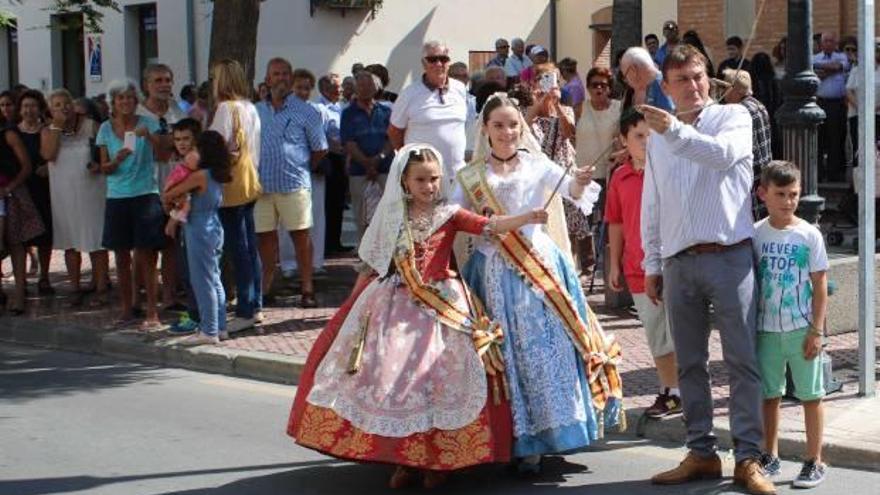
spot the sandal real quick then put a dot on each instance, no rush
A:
(308, 300)
(44, 288)
(433, 479)
(402, 477)
(77, 300)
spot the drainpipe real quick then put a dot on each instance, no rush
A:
(553, 30)
(191, 41)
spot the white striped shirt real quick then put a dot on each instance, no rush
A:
(697, 184)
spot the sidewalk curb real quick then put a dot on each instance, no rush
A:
(286, 370)
(126, 344)
(848, 454)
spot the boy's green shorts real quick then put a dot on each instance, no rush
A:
(775, 350)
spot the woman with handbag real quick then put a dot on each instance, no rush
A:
(236, 119)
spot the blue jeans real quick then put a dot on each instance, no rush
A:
(240, 245)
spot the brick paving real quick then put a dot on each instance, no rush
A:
(290, 330)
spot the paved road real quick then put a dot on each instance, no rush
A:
(79, 424)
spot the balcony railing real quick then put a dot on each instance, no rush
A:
(344, 5)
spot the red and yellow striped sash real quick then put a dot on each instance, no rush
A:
(485, 333)
(599, 352)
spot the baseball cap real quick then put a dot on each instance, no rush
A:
(537, 49)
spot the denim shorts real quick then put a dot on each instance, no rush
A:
(134, 223)
(775, 350)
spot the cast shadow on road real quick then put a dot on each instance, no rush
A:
(26, 374)
(362, 479)
(66, 484)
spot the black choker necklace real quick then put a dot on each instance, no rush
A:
(504, 160)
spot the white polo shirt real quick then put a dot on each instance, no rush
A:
(433, 119)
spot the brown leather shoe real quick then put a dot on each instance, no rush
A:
(693, 467)
(750, 475)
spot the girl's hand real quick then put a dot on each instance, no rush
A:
(583, 176)
(538, 216)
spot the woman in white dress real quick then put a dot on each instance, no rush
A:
(78, 192)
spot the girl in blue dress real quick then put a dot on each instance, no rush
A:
(204, 235)
(560, 367)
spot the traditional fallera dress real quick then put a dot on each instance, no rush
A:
(561, 368)
(408, 371)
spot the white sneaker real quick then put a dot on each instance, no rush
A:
(238, 324)
(198, 339)
(259, 317)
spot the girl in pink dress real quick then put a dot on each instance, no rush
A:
(408, 371)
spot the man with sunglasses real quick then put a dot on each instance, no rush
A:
(670, 32)
(502, 50)
(159, 104)
(434, 111)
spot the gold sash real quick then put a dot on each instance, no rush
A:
(600, 353)
(485, 333)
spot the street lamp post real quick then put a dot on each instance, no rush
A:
(799, 115)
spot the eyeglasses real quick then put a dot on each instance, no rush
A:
(433, 59)
(599, 85)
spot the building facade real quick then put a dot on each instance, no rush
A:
(178, 32)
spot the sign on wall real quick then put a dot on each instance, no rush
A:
(96, 70)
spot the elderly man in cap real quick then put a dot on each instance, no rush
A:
(502, 50)
(741, 92)
(539, 55)
(518, 60)
(670, 32)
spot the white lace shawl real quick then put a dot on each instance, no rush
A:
(380, 240)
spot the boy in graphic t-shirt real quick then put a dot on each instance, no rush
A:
(792, 267)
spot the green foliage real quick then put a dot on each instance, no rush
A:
(90, 9)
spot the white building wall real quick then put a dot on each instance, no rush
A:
(326, 42)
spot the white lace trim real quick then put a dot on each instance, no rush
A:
(433, 406)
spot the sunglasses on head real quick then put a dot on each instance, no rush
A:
(433, 59)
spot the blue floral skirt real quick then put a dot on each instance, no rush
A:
(549, 393)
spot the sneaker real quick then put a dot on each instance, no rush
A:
(224, 335)
(771, 464)
(185, 325)
(199, 339)
(812, 474)
(259, 317)
(238, 324)
(664, 405)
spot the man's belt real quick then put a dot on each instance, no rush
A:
(713, 247)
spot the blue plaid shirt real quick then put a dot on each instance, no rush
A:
(288, 137)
